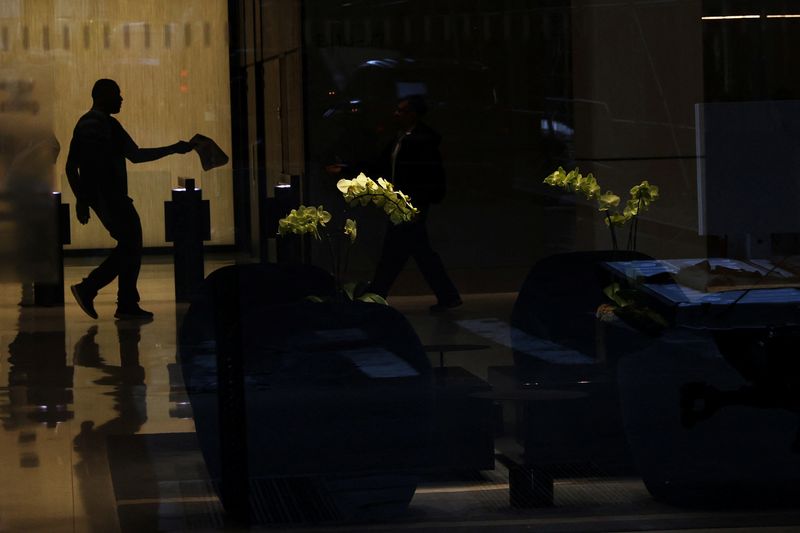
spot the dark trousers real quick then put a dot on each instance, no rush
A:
(411, 240)
(122, 221)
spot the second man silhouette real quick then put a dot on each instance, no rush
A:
(412, 162)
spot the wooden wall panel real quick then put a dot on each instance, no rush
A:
(171, 61)
(252, 151)
(249, 40)
(272, 119)
(294, 110)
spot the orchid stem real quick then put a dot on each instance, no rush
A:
(613, 233)
(334, 261)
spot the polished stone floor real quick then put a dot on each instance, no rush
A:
(98, 435)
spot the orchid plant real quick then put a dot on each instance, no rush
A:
(632, 307)
(361, 191)
(608, 203)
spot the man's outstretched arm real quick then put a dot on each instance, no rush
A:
(134, 154)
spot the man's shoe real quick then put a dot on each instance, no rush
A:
(132, 312)
(444, 306)
(84, 299)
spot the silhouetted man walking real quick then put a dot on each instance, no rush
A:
(414, 165)
(97, 174)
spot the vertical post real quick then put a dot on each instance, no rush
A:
(300, 195)
(288, 248)
(187, 224)
(52, 293)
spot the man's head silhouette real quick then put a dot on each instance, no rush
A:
(409, 110)
(106, 96)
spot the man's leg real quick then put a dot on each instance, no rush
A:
(432, 268)
(395, 253)
(129, 237)
(122, 222)
(103, 274)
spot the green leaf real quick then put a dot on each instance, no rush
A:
(371, 297)
(611, 292)
(621, 297)
(349, 289)
(315, 299)
(628, 297)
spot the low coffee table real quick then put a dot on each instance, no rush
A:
(442, 348)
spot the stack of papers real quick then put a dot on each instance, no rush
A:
(211, 155)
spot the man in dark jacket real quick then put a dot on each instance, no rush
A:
(412, 162)
(97, 174)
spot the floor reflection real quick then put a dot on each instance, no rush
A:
(127, 379)
(129, 463)
(127, 387)
(39, 379)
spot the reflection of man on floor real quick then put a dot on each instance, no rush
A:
(98, 177)
(126, 384)
(414, 165)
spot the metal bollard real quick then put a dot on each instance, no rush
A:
(52, 293)
(289, 248)
(187, 221)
